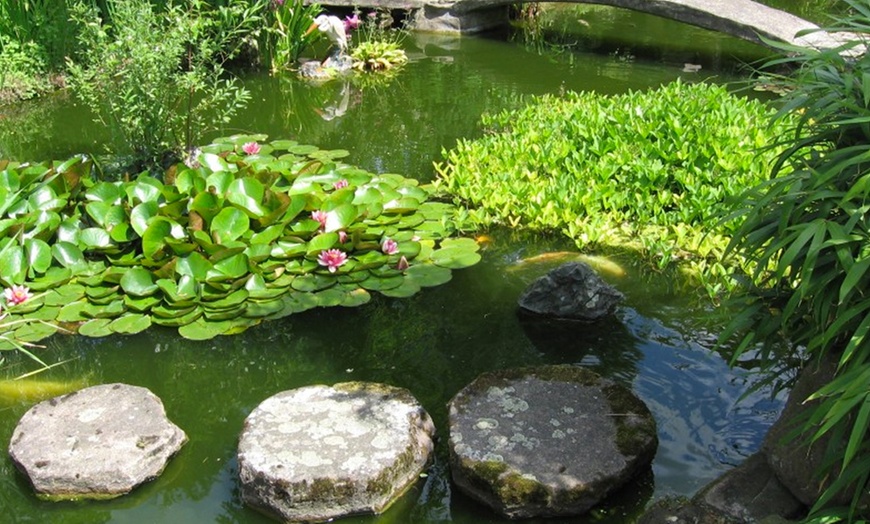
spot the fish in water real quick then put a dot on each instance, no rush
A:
(33, 390)
(598, 263)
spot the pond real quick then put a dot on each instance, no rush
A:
(659, 343)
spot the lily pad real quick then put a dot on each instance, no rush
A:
(129, 324)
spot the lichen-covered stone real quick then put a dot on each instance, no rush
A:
(99, 442)
(317, 453)
(547, 441)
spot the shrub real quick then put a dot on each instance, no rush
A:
(153, 78)
(807, 232)
(651, 170)
(22, 70)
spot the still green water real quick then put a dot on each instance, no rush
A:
(659, 343)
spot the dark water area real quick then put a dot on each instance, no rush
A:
(659, 343)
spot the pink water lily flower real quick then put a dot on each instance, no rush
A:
(341, 184)
(342, 236)
(390, 246)
(251, 148)
(17, 295)
(320, 216)
(403, 264)
(332, 259)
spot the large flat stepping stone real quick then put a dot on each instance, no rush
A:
(317, 453)
(96, 443)
(547, 441)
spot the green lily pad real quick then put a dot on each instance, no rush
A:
(73, 312)
(312, 282)
(97, 327)
(356, 297)
(34, 331)
(224, 314)
(428, 275)
(138, 282)
(378, 283)
(130, 324)
(141, 305)
(263, 308)
(408, 288)
(179, 320)
(455, 257)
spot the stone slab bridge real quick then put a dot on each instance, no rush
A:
(741, 18)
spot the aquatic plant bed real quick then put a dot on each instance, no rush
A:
(248, 231)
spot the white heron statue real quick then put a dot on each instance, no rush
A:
(333, 28)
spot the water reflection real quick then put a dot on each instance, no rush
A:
(433, 343)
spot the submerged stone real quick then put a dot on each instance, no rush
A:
(317, 453)
(572, 291)
(96, 443)
(547, 441)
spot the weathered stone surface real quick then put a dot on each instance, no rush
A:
(751, 492)
(794, 461)
(433, 18)
(98, 442)
(572, 291)
(547, 441)
(741, 18)
(683, 511)
(319, 452)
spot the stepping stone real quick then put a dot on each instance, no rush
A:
(547, 441)
(96, 443)
(317, 453)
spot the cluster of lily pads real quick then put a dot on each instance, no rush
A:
(245, 231)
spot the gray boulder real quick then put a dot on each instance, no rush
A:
(572, 291)
(99, 442)
(317, 453)
(547, 441)
(750, 492)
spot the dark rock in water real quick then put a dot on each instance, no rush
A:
(750, 492)
(99, 442)
(572, 291)
(547, 441)
(317, 453)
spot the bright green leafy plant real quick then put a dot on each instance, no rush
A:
(255, 230)
(650, 170)
(806, 230)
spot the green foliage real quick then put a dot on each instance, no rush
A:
(806, 231)
(650, 170)
(286, 34)
(375, 45)
(244, 235)
(154, 78)
(43, 23)
(22, 70)
(377, 56)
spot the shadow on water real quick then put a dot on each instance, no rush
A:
(434, 343)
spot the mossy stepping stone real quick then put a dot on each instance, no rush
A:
(547, 441)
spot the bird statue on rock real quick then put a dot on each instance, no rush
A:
(333, 28)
